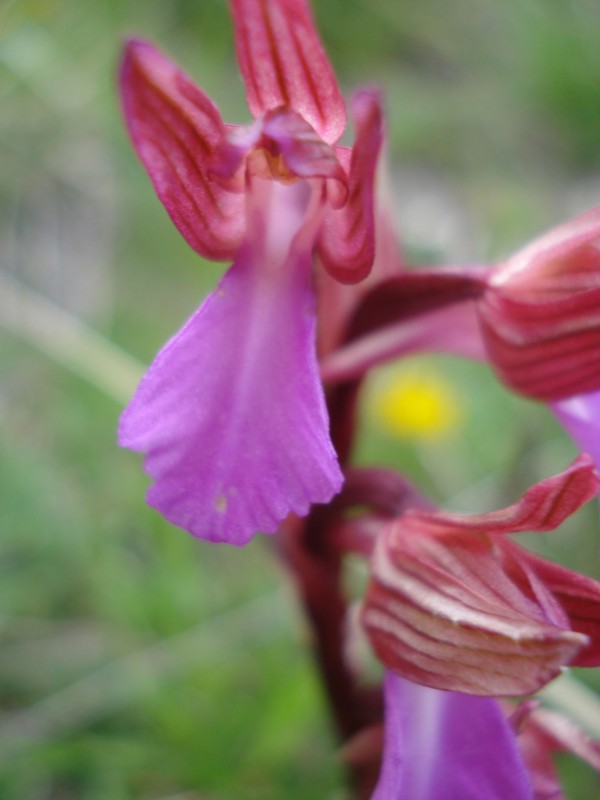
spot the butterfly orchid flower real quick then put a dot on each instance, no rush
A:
(540, 317)
(535, 317)
(455, 605)
(231, 414)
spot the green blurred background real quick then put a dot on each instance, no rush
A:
(135, 661)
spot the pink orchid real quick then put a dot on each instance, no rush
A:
(535, 317)
(540, 313)
(540, 322)
(455, 605)
(231, 414)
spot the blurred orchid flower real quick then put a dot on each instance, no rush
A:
(535, 317)
(455, 605)
(540, 322)
(447, 745)
(231, 414)
(540, 313)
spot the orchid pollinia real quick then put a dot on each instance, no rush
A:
(240, 436)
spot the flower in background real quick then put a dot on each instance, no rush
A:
(415, 402)
(540, 317)
(231, 414)
(455, 605)
(535, 317)
(540, 313)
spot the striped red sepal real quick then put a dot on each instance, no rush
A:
(176, 129)
(454, 605)
(577, 594)
(347, 241)
(283, 63)
(541, 313)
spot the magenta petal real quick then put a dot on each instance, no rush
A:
(231, 413)
(580, 417)
(447, 746)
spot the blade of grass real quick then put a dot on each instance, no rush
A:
(126, 680)
(67, 341)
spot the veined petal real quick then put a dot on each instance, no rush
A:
(455, 605)
(347, 241)
(543, 507)
(577, 595)
(231, 414)
(560, 261)
(283, 63)
(176, 129)
(443, 612)
(447, 746)
(541, 314)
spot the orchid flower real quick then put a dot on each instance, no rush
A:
(539, 318)
(455, 605)
(447, 745)
(534, 317)
(231, 414)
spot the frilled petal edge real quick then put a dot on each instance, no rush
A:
(231, 414)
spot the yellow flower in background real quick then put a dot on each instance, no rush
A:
(415, 402)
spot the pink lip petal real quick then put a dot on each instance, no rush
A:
(231, 414)
(447, 746)
(176, 128)
(283, 63)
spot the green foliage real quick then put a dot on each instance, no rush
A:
(138, 663)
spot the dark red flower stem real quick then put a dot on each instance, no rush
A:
(316, 566)
(316, 572)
